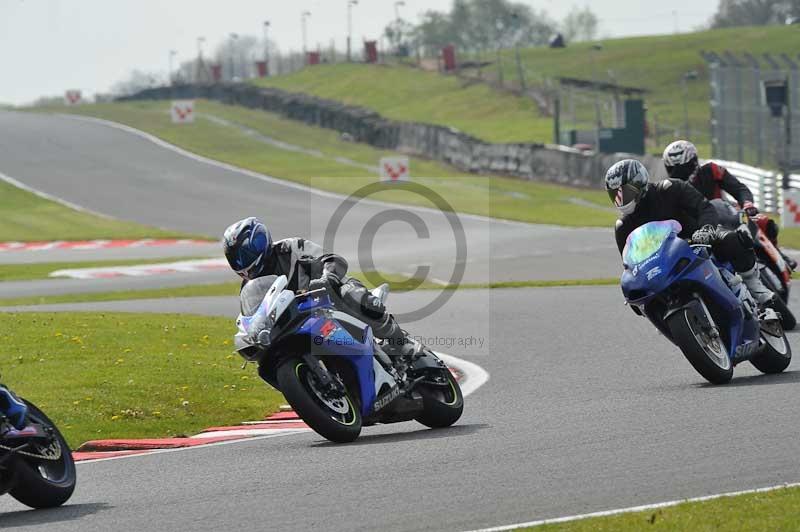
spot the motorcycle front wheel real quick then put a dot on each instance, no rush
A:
(39, 482)
(337, 419)
(706, 352)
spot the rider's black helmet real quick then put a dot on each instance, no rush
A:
(247, 245)
(626, 184)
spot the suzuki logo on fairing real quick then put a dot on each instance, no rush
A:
(652, 273)
(644, 263)
(386, 399)
(746, 350)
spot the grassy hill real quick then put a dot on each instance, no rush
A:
(406, 93)
(654, 63)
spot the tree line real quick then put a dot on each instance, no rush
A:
(732, 13)
(481, 25)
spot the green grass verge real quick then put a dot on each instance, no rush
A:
(489, 196)
(24, 272)
(770, 510)
(655, 63)
(217, 289)
(398, 284)
(131, 375)
(789, 238)
(26, 217)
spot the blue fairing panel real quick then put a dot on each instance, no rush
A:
(339, 342)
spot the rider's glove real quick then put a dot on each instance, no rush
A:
(704, 236)
(316, 284)
(331, 278)
(750, 209)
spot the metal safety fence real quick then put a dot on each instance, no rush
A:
(742, 126)
(765, 185)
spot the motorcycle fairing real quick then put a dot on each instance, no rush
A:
(674, 261)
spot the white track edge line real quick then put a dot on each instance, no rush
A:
(11, 181)
(290, 184)
(475, 377)
(633, 509)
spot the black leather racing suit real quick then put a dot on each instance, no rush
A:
(712, 179)
(674, 199)
(304, 263)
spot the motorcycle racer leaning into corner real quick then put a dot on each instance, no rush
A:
(251, 253)
(639, 202)
(710, 179)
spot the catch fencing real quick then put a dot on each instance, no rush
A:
(742, 127)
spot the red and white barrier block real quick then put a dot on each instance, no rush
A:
(97, 244)
(144, 270)
(791, 208)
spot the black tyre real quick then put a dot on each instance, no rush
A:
(442, 405)
(776, 355)
(788, 321)
(708, 355)
(338, 420)
(41, 483)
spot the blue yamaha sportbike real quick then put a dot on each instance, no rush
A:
(701, 305)
(331, 369)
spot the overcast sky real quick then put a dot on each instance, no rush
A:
(47, 46)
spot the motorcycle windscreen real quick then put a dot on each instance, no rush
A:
(253, 293)
(646, 240)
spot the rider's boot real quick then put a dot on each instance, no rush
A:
(396, 341)
(14, 409)
(760, 293)
(789, 260)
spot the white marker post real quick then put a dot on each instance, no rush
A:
(395, 169)
(182, 111)
(72, 97)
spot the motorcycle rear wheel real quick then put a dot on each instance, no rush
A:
(44, 483)
(338, 420)
(442, 405)
(707, 355)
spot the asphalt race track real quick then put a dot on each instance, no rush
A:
(120, 174)
(587, 407)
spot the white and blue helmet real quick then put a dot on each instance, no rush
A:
(626, 183)
(247, 245)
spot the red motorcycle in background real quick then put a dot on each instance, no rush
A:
(775, 271)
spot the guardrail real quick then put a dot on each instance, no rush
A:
(764, 184)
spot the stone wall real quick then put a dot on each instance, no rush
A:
(540, 162)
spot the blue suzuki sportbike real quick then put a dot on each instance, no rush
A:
(700, 304)
(331, 369)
